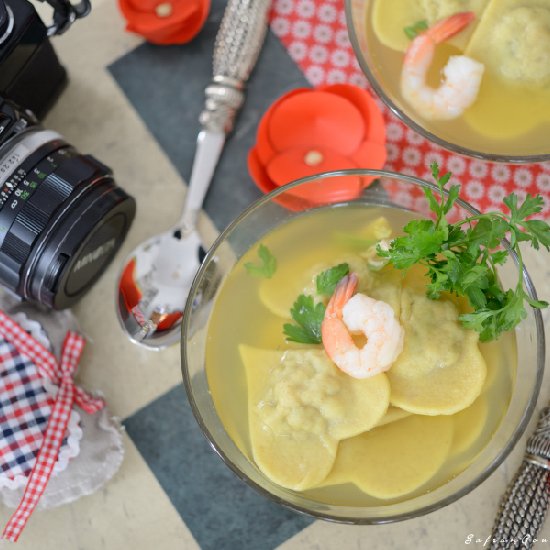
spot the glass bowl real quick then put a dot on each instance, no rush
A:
(374, 58)
(260, 218)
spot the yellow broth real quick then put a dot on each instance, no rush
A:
(487, 131)
(239, 317)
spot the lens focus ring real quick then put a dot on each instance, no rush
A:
(34, 215)
(32, 218)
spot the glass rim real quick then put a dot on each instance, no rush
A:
(455, 148)
(445, 501)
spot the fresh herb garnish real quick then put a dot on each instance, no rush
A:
(267, 266)
(461, 257)
(412, 31)
(326, 281)
(308, 317)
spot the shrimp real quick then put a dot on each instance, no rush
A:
(462, 74)
(346, 313)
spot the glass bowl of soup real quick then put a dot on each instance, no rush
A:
(510, 114)
(302, 432)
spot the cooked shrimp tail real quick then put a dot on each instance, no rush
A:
(462, 75)
(334, 333)
(347, 313)
(447, 28)
(342, 293)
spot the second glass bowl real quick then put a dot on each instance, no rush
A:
(381, 64)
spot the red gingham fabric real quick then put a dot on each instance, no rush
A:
(40, 356)
(315, 35)
(26, 401)
(60, 373)
(25, 406)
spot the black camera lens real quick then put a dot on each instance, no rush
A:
(62, 217)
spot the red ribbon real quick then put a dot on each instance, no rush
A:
(61, 374)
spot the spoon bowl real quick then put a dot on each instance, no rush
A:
(154, 285)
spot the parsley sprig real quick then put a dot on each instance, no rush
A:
(267, 266)
(307, 315)
(412, 31)
(462, 257)
(326, 282)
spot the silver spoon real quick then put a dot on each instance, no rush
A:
(156, 277)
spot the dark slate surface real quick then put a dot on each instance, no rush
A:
(166, 87)
(220, 510)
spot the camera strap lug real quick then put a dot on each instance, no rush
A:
(6, 22)
(66, 13)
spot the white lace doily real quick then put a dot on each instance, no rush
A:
(101, 454)
(95, 450)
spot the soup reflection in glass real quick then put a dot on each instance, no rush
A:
(310, 427)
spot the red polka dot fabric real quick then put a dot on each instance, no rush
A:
(315, 34)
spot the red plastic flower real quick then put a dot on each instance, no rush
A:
(165, 21)
(306, 132)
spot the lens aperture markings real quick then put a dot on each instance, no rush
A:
(22, 184)
(10, 185)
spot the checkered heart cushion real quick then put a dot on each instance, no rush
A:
(26, 400)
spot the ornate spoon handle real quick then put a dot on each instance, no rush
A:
(238, 44)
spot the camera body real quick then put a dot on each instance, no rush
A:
(62, 216)
(30, 72)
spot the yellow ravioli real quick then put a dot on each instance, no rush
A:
(280, 292)
(294, 278)
(440, 370)
(394, 460)
(297, 462)
(392, 415)
(386, 286)
(289, 281)
(362, 239)
(379, 228)
(299, 406)
(390, 17)
(469, 424)
(513, 42)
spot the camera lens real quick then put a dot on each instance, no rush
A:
(62, 217)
